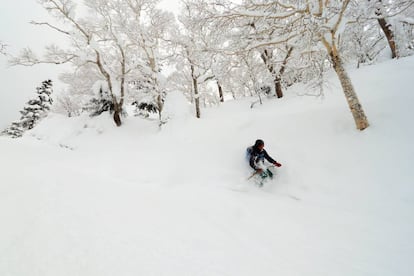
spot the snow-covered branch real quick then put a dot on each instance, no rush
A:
(54, 55)
(50, 26)
(65, 9)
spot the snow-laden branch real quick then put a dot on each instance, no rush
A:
(272, 42)
(54, 55)
(50, 26)
(64, 8)
(258, 14)
(399, 9)
(270, 5)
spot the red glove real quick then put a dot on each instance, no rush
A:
(277, 164)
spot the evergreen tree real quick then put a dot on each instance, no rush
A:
(149, 98)
(38, 107)
(103, 102)
(14, 131)
(35, 110)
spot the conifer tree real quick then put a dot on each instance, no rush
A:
(35, 110)
(101, 103)
(14, 131)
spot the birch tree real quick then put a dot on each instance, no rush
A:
(111, 39)
(268, 57)
(193, 53)
(391, 16)
(309, 26)
(329, 38)
(380, 12)
(153, 38)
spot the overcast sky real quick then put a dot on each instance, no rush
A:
(18, 84)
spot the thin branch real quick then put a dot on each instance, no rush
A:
(257, 15)
(341, 15)
(65, 13)
(32, 62)
(270, 43)
(402, 10)
(274, 3)
(51, 26)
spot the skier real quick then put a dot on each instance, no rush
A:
(256, 155)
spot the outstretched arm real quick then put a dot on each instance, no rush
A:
(271, 160)
(268, 158)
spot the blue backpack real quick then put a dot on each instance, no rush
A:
(249, 151)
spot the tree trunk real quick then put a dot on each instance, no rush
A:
(220, 90)
(266, 57)
(278, 79)
(196, 98)
(117, 118)
(117, 106)
(160, 107)
(358, 113)
(278, 88)
(117, 114)
(195, 87)
(386, 28)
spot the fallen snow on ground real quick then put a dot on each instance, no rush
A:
(79, 196)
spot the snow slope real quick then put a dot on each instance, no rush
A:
(81, 197)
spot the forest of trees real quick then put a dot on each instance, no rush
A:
(133, 52)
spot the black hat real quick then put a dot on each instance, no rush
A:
(258, 143)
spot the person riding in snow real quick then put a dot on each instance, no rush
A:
(257, 154)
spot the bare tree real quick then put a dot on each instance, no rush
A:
(380, 13)
(391, 16)
(267, 57)
(193, 53)
(112, 37)
(304, 25)
(330, 41)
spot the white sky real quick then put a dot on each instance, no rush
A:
(18, 83)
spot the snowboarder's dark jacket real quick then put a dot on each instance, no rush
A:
(255, 156)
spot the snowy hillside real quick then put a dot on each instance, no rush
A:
(79, 196)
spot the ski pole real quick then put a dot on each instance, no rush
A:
(252, 175)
